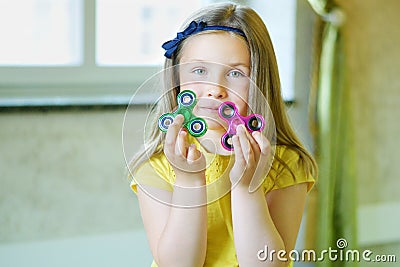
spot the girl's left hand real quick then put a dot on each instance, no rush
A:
(252, 156)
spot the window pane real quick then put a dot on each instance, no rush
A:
(40, 32)
(131, 32)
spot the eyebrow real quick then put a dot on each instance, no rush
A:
(239, 64)
(232, 64)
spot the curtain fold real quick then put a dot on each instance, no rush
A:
(330, 117)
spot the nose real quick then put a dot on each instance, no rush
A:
(217, 92)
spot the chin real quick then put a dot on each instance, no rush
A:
(215, 124)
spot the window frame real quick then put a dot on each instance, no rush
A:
(74, 85)
(85, 84)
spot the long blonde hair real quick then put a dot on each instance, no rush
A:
(264, 74)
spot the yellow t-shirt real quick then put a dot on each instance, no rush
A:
(157, 172)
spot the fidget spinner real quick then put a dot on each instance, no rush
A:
(186, 101)
(228, 112)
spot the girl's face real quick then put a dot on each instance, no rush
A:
(216, 66)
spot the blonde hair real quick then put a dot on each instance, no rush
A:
(264, 74)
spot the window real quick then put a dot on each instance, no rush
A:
(40, 32)
(280, 18)
(68, 52)
(130, 32)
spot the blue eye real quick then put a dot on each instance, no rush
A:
(199, 71)
(235, 74)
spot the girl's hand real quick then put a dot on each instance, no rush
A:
(252, 159)
(185, 159)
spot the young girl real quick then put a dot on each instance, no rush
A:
(194, 195)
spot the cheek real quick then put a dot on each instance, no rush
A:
(240, 98)
(196, 88)
(183, 77)
(242, 108)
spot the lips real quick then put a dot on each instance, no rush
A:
(206, 111)
(208, 108)
(208, 104)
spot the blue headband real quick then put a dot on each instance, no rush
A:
(193, 28)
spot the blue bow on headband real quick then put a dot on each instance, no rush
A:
(172, 45)
(193, 28)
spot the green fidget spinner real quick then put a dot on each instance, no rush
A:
(186, 101)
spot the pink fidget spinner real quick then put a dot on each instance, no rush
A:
(228, 112)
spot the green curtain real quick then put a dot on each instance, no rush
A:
(331, 125)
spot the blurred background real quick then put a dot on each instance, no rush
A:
(69, 69)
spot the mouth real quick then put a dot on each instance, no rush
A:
(207, 111)
(210, 105)
(210, 108)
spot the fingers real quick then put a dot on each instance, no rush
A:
(238, 149)
(252, 154)
(172, 134)
(181, 147)
(262, 143)
(248, 147)
(176, 146)
(264, 161)
(193, 154)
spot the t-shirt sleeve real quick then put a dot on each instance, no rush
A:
(154, 172)
(289, 171)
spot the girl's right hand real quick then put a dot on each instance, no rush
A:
(186, 160)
